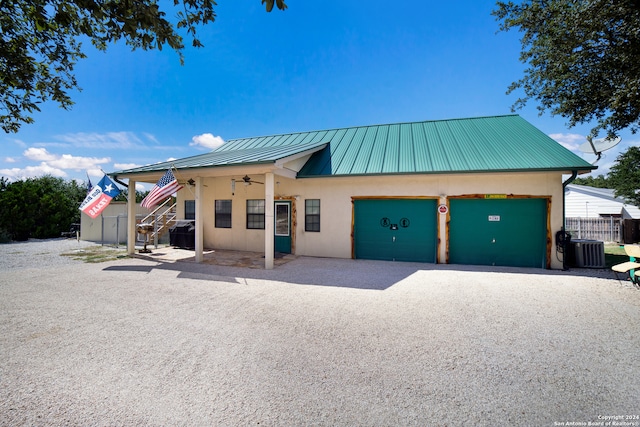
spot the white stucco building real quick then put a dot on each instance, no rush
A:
(483, 190)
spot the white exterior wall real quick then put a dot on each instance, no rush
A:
(91, 229)
(580, 205)
(335, 193)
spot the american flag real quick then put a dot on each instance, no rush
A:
(167, 185)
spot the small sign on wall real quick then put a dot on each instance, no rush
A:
(494, 218)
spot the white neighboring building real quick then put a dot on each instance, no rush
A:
(582, 201)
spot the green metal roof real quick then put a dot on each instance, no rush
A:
(247, 156)
(484, 144)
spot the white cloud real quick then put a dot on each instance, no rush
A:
(20, 143)
(570, 141)
(39, 154)
(10, 160)
(95, 172)
(123, 166)
(64, 161)
(109, 140)
(67, 161)
(151, 137)
(54, 164)
(207, 140)
(32, 171)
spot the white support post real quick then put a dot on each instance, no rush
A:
(131, 218)
(199, 220)
(268, 221)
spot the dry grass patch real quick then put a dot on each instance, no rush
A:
(96, 254)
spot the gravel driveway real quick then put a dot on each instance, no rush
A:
(314, 342)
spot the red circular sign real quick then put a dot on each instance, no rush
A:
(443, 209)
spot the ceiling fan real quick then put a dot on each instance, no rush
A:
(247, 180)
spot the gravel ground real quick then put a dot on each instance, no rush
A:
(314, 342)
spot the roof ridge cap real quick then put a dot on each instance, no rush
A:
(379, 124)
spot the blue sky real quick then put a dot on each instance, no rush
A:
(318, 65)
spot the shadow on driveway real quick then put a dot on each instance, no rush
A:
(335, 272)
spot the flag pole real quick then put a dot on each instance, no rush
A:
(176, 175)
(121, 183)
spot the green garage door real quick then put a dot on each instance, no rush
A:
(395, 229)
(504, 232)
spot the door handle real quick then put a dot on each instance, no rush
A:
(394, 239)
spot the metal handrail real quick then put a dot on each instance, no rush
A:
(165, 223)
(168, 216)
(153, 213)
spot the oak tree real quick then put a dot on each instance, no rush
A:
(624, 176)
(582, 57)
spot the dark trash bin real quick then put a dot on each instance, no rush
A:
(630, 231)
(73, 231)
(183, 234)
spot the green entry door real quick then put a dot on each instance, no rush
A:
(282, 227)
(503, 232)
(395, 229)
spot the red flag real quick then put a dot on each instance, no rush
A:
(166, 186)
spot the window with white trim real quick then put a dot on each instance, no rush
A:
(189, 209)
(255, 214)
(312, 215)
(223, 214)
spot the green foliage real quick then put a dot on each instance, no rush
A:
(5, 237)
(624, 176)
(599, 182)
(39, 207)
(40, 43)
(582, 59)
(123, 197)
(280, 4)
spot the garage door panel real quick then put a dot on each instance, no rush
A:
(395, 229)
(506, 232)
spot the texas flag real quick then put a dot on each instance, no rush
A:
(99, 197)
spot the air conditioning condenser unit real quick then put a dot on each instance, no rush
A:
(587, 253)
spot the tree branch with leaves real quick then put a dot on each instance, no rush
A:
(624, 176)
(40, 43)
(583, 59)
